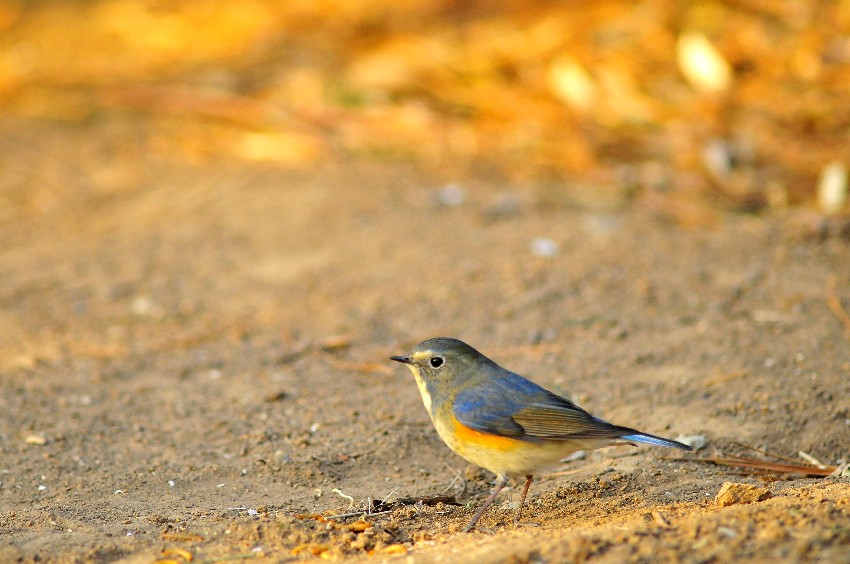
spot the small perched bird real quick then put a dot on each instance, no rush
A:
(501, 421)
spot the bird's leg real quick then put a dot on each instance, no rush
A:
(501, 482)
(528, 479)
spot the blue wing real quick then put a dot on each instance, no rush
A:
(512, 406)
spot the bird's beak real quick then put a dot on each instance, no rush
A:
(404, 359)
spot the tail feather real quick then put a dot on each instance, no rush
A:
(653, 440)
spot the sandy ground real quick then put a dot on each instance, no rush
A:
(194, 358)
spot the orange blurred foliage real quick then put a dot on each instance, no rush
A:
(746, 101)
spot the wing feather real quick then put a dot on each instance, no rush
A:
(515, 407)
(562, 420)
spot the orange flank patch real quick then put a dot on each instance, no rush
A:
(466, 435)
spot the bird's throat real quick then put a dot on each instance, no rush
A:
(423, 388)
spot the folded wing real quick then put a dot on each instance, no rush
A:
(515, 407)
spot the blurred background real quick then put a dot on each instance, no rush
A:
(684, 107)
(218, 218)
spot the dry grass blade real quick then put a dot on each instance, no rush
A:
(430, 501)
(766, 453)
(762, 466)
(789, 466)
(727, 377)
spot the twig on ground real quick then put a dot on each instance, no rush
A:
(457, 477)
(430, 501)
(356, 514)
(350, 499)
(811, 459)
(766, 453)
(389, 495)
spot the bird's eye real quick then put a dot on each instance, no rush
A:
(436, 361)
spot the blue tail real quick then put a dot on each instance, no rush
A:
(653, 440)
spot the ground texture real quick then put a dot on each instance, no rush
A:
(193, 360)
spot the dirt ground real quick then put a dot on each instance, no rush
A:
(193, 361)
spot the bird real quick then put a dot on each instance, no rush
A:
(503, 422)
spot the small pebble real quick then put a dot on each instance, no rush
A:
(717, 158)
(727, 532)
(142, 305)
(543, 247)
(832, 188)
(732, 493)
(451, 195)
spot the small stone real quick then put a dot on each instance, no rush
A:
(36, 440)
(717, 158)
(727, 532)
(696, 442)
(732, 493)
(543, 247)
(142, 305)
